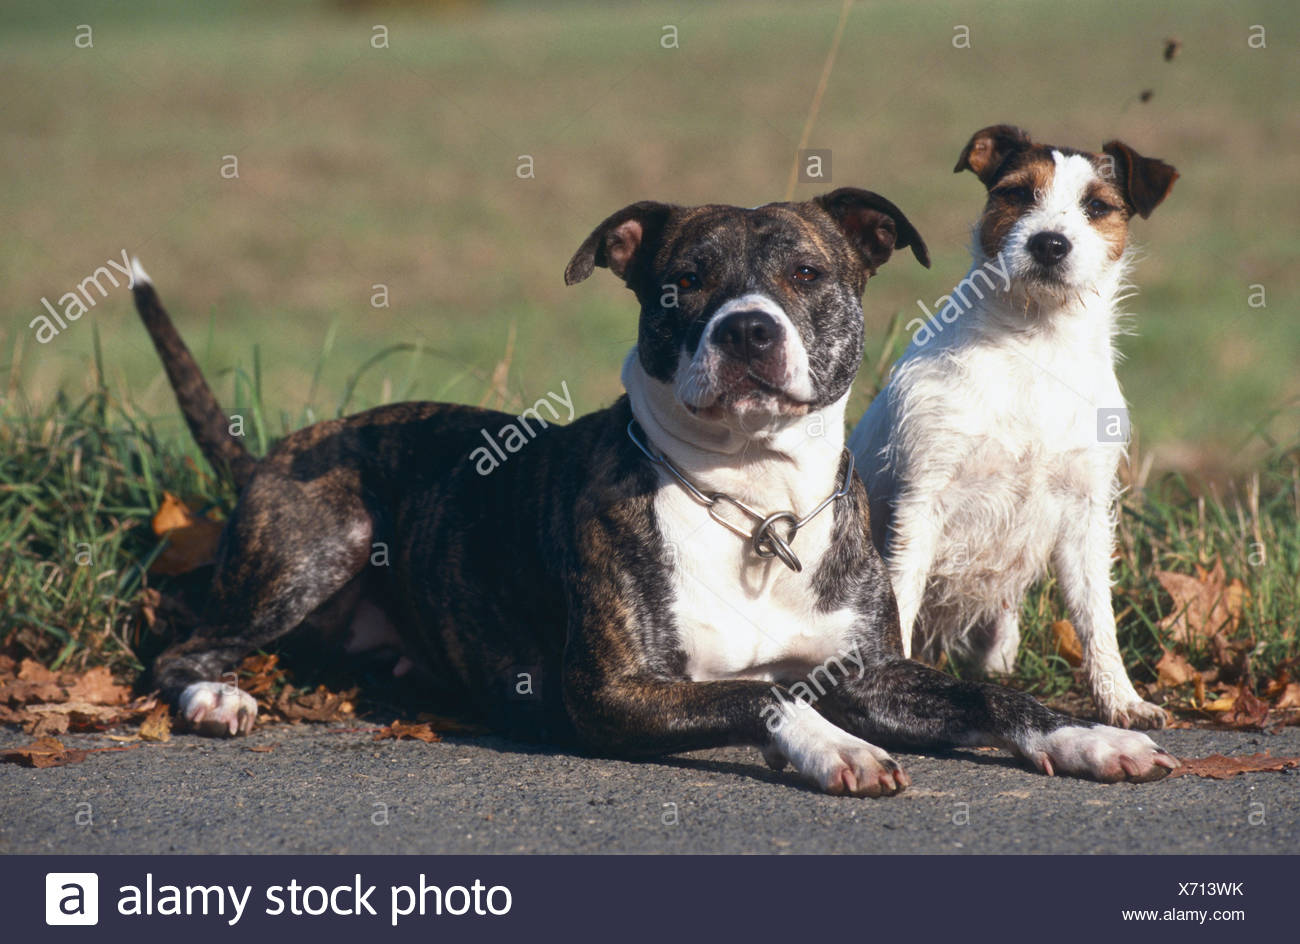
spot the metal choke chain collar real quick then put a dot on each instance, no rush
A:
(763, 539)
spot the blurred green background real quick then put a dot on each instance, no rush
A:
(397, 166)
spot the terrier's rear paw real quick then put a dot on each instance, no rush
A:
(1136, 713)
(1101, 753)
(218, 709)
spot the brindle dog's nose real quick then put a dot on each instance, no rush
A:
(1048, 248)
(747, 335)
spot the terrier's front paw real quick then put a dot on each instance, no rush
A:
(218, 709)
(1134, 713)
(1101, 753)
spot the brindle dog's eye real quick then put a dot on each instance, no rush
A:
(1096, 208)
(687, 281)
(805, 273)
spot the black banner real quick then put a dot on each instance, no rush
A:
(641, 898)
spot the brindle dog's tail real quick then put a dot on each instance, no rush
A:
(208, 424)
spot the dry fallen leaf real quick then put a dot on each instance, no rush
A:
(1204, 606)
(46, 724)
(1219, 767)
(191, 539)
(263, 748)
(44, 752)
(1225, 702)
(260, 675)
(158, 725)
(320, 705)
(97, 687)
(1067, 642)
(1290, 696)
(1248, 711)
(402, 729)
(1173, 670)
(451, 725)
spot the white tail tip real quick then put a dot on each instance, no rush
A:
(138, 275)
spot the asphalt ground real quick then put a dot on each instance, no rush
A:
(334, 789)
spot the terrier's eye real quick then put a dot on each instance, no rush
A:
(1015, 194)
(687, 281)
(1096, 209)
(805, 273)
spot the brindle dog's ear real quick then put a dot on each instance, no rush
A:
(874, 226)
(621, 242)
(1144, 181)
(988, 149)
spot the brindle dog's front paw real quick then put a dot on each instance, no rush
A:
(1101, 753)
(830, 757)
(218, 709)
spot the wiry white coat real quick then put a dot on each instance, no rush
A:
(986, 443)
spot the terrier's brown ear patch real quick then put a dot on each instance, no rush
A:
(988, 150)
(1144, 181)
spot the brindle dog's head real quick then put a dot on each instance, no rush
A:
(751, 313)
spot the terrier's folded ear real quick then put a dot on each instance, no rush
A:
(1145, 181)
(988, 150)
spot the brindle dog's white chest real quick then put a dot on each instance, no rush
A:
(738, 615)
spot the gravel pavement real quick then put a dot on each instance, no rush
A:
(333, 789)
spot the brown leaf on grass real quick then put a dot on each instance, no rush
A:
(1248, 711)
(1067, 642)
(51, 703)
(451, 725)
(1173, 670)
(191, 538)
(33, 671)
(1241, 708)
(32, 684)
(97, 687)
(58, 717)
(44, 752)
(1289, 696)
(19, 693)
(260, 675)
(1219, 767)
(320, 705)
(1205, 606)
(403, 729)
(157, 725)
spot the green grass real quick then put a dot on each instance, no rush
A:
(79, 481)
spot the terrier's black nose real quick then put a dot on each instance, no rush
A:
(747, 335)
(1048, 248)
